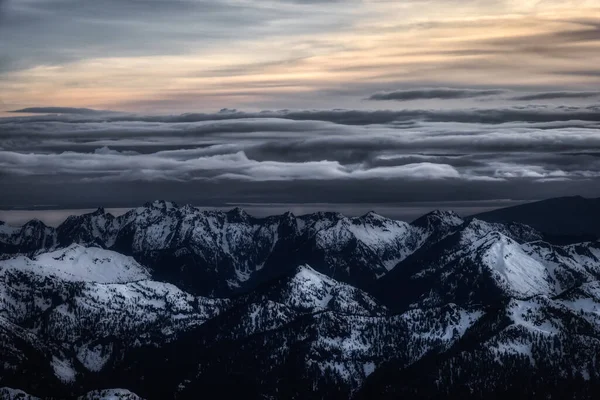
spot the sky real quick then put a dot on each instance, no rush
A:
(117, 102)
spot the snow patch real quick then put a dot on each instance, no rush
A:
(7, 393)
(63, 370)
(94, 358)
(522, 275)
(368, 368)
(110, 394)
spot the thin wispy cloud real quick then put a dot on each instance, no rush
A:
(557, 96)
(180, 56)
(434, 93)
(58, 110)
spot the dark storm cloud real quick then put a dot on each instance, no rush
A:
(557, 96)
(434, 93)
(530, 114)
(282, 156)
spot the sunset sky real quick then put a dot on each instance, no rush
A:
(117, 102)
(189, 55)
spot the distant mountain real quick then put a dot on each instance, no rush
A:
(171, 302)
(570, 218)
(220, 253)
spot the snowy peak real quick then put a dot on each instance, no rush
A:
(79, 263)
(482, 263)
(99, 211)
(305, 272)
(372, 217)
(513, 269)
(476, 228)
(309, 291)
(372, 241)
(29, 238)
(439, 219)
(98, 228)
(238, 214)
(34, 224)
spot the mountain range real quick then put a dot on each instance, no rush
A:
(168, 301)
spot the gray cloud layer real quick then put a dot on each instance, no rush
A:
(557, 95)
(458, 93)
(434, 93)
(526, 113)
(296, 156)
(58, 110)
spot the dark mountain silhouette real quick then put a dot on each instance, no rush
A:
(569, 219)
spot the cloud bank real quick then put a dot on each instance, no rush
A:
(294, 156)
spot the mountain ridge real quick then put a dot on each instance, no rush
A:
(315, 306)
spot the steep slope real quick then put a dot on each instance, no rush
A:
(483, 263)
(537, 348)
(24, 355)
(99, 228)
(27, 239)
(372, 238)
(438, 224)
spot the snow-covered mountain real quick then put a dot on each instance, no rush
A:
(76, 309)
(219, 253)
(483, 263)
(173, 302)
(78, 263)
